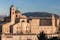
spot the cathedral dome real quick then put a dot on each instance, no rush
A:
(39, 14)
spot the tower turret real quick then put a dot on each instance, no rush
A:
(12, 14)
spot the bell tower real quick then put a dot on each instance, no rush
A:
(12, 14)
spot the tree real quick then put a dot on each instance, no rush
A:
(53, 38)
(42, 36)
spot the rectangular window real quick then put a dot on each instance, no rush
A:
(45, 22)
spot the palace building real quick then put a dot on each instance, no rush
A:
(27, 27)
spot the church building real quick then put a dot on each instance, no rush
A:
(22, 27)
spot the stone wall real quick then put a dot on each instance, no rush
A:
(19, 37)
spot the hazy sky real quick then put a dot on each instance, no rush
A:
(52, 6)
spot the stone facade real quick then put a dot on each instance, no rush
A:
(19, 29)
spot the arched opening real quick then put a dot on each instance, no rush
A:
(23, 21)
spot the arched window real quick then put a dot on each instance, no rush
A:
(23, 21)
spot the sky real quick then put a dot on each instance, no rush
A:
(51, 6)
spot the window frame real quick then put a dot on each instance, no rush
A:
(46, 22)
